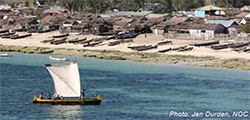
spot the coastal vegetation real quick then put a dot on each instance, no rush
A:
(204, 61)
(101, 6)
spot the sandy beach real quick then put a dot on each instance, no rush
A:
(150, 39)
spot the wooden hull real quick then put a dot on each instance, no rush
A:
(164, 43)
(58, 59)
(147, 48)
(108, 33)
(186, 49)
(165, 50)
(87, 101)
(57, 36)
(206, 44)
(114, 43)
(45, 52)
(20, 36)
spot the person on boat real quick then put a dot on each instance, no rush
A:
(82, 94)
(41, 96)
(49, 96)
(57, 97)
(61, 97)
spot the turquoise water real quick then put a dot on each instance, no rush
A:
(130, 90)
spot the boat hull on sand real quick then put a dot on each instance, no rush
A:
(87, 101)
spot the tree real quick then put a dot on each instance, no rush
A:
(39, 10)
(29, 11)
(26, 4)
(12, 4)
(34, 3)
(50, 2)
(162, 11)
(246, 28)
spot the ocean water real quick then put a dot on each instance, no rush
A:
(130, 90)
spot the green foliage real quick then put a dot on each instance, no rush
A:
(12, 4)
(30, 11)
(39, 10)
(162, 11)
(34, 3)
(247, 11)
(246, 28)
(50, 2)
(26, 4)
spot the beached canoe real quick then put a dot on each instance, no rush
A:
(240, 45)
(73, 40)
(164, 50)
(62, 40)
(86, 41)
(164, 43)
(49, 40)
(9, 33)
(126, 35)
(4, 31)
(21, 36)
(178, 48)
(62, 35)
(107, 33)
(206, 43)
(127, 41)
(92, 44)
(114, 43)
(185, 49)
(146, 48)
(100, 39)
(134, 47)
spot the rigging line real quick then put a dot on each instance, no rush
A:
(48, 81)
(61, 80)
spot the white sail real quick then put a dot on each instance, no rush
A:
(66, 78)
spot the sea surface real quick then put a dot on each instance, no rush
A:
(130, 90)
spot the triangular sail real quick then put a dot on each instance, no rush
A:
(66, 78)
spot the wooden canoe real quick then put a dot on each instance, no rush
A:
(206, 43)
(164, 50)
(164, 43)
(86, 41)
(114, 43)
(45, 52)
(21, 36)
(185, 49)
(178, 48)
(86, 101)
(147, 48)
(58, 41)
(62, 35)
(49, 40)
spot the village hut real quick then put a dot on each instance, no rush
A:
(162, 28)
(234, 29)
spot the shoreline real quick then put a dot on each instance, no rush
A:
(199, 56)
(201, 61)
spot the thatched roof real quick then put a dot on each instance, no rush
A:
(195, 26)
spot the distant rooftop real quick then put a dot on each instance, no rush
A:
(128, 13)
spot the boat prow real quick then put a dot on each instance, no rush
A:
(87, 101)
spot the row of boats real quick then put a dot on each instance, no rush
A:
(242, 46)
(58, 39)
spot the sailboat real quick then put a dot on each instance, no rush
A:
(67, 84)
